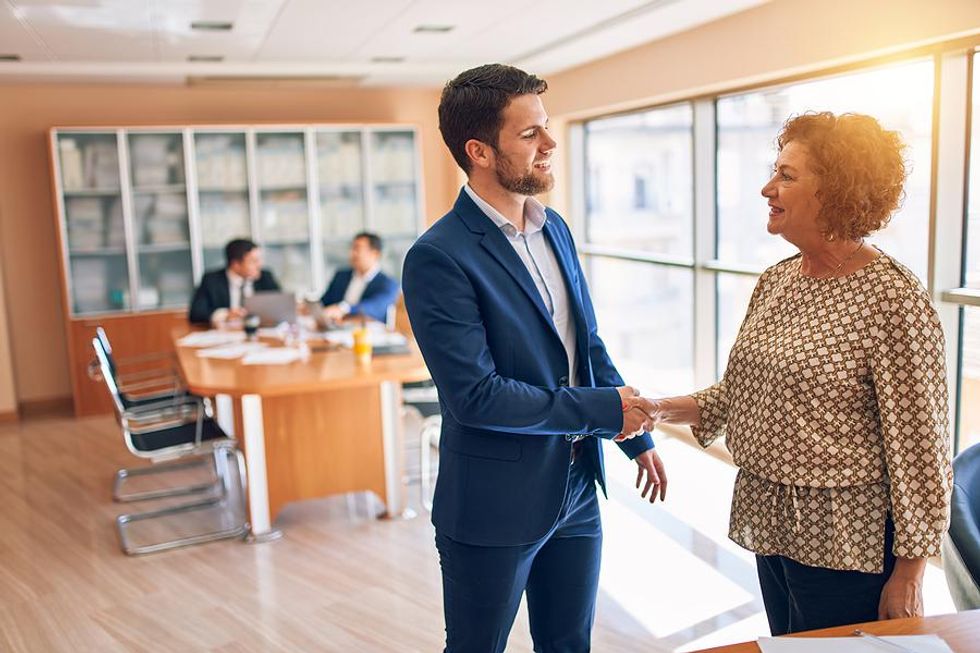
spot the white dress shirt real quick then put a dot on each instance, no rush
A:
(238, 289)
(535, 252)
(358, 284)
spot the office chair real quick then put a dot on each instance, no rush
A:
(159, 393)
(423, 398)
(961, 546)
(140, 387)
(181, 431)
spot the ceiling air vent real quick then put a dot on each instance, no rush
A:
(212, 26)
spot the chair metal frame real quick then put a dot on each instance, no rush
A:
(219, 453)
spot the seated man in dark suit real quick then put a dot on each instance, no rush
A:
(221, 294)
(362, 289)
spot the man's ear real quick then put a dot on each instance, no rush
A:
(479, 153)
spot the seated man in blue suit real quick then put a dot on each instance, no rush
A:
(222, 293)
(501, 311)
(362, 289)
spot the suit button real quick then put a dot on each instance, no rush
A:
(563, 381)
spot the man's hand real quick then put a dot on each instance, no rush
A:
(635, 422)
(636, 408)
(650, 465)
(334, 313)
(236, 313)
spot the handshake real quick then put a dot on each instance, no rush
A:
(639, 414)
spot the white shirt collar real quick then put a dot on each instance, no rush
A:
(534, 214)
(234, 280)
(370, 274)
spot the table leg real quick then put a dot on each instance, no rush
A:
(258, 489)
(394, 454)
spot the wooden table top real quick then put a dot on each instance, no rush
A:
(961, 631)
(324, 370)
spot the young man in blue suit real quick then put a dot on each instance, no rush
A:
(501, 311)
(361, 289)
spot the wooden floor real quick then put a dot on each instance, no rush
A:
(339, 580)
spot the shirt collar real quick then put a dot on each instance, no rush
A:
(534, 214)
(370, 274)
(233, 279)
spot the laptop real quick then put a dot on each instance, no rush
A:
(272, 307)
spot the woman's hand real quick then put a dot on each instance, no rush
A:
(902, 594)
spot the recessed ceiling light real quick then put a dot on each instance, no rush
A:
(434, 29)
(9, 57)
(205, 58)
(387, 59)
(212, 26)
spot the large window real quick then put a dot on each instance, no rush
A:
(639, 181)
(969, 368)
(639, 221)
(674, 237)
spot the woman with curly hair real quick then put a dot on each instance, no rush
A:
(834, 401)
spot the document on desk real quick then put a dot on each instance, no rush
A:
(272, 356)
(230, 352)
(377, 338)
(211, 338)
(910, 643)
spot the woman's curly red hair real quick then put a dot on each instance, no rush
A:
(860, 165)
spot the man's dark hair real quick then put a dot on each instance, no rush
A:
(236, 250)
(374, 240)
(472, 105)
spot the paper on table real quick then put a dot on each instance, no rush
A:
(377, 338)
(272, 356)
(236, 350)
(211, 338)
(916, 643)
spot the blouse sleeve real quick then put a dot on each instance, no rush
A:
(909, 372)
(713, 401)
(713, 411)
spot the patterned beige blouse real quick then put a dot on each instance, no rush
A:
(834, 406)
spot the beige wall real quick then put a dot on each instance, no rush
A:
(8, 393)
(28, 250)
(783, 37)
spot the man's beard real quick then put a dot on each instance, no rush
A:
(521, 183)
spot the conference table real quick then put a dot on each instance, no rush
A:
(311, 428)
(961, 631)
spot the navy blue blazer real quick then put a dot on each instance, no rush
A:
(502, 375)
(380, 293)
(214, 293)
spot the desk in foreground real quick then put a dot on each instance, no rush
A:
(313, 428)
(961, 631)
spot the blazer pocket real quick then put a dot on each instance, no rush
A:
(482, 445)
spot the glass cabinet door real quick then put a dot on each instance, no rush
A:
(160, 223)
(393, 183)
(394, 188)
(222, 188)
(283, 208)
(339, 170)
(95, 230)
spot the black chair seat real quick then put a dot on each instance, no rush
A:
(177, 435)
(130, 403)
(964, 528)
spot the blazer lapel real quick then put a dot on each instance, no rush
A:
(562, 255)
(496, 243)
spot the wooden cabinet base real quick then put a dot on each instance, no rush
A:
(131, 335)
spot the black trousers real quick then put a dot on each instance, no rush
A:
(800, 597)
